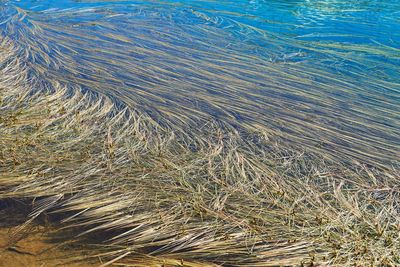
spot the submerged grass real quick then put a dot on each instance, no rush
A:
(157, 194)
(160, 197)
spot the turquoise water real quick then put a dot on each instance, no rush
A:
(319, 74)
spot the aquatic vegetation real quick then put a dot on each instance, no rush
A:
(184, 151)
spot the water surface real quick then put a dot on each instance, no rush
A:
(322, 75)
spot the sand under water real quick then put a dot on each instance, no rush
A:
(37, 247)
(199, 133)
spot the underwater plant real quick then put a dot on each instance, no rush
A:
(151, 179)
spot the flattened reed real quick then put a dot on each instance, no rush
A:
(174, 185)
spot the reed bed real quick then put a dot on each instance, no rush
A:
(175, 186)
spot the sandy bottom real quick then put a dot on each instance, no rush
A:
(37, 244)
(34, 249)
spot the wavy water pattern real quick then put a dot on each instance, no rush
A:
(187, 65)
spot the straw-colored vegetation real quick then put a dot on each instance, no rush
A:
(155, 194)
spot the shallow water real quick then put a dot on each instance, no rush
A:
(200, 133)
(318, 74)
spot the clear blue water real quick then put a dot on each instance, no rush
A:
(322, 74)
